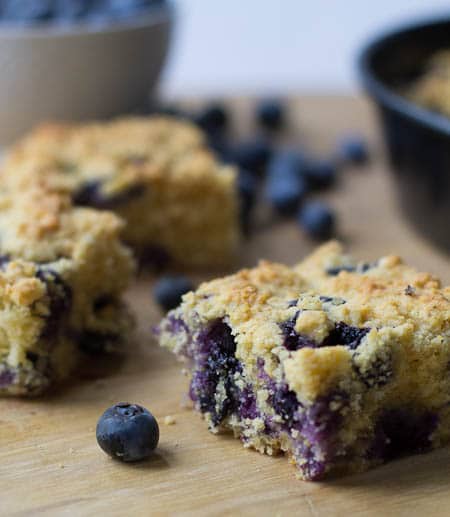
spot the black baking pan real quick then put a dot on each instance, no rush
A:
(417, 139)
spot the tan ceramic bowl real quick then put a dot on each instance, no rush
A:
(79, 72)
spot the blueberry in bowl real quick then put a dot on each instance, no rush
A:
(417, 138)
(58, 45)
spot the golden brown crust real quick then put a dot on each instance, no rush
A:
(151, 171)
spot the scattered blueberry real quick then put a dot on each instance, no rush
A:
(127, 432)
(252, 155)
(353, 149)
(247, 186)
(285, 186)
(212, 118)
(317, 220)
(270, 114)
(168, 290)
(320, 173)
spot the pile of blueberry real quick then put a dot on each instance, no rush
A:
(28, 12)
(286, 177)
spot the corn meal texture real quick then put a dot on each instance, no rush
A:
(342, 365)
(62, 272)
(178, 203)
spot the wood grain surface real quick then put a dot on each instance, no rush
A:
(50, 463)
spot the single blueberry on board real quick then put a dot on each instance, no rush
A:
(27, 11)
(353, 149)
(270, 114)
(285, 186)
(321, 173)
(212, 118)
(168, 290)
(317, 219)
(127, 432)
(251, 155)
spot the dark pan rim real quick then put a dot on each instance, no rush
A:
(387, 97)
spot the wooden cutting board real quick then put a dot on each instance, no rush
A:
(50, 463)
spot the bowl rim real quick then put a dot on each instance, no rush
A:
(388, 97)
(155, 16)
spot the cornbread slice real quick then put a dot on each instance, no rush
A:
(342, 365)
(178, 202)
(62, 273)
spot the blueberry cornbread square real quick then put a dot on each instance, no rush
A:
(62, 274)
(179, 203)
(342, 365)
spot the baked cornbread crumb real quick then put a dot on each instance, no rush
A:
(342, 365)
(178, 202)
(62, 273)
(432, 89)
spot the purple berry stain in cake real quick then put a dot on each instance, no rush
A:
(215, 365)
(6, 378)
(345, 335)
(60, 295)
(342, 334)
(401, 431)
(292, 340)
(91, 194)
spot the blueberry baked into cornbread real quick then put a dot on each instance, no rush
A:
(62, 273)
(179, 204)
(342, 365)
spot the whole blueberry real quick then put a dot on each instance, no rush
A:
(220, 145)
(270, 113)
(27, 11)
(212, 118)
(127, 432)
(285, 185)
(252, 155)
(321, 173)
(247, 186)
(317, 219)
(168, 290)
(353, 149)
